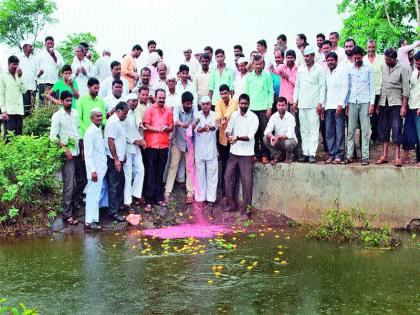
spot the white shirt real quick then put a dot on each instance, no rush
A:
(309, 86)
(132, 132)
(115, 129)
(239, 85)
(29, 71)
(240, 126)
(50, 67)
(81, 78)
(281, 126)
(111, 101)
(205, 143)
(103, 68)
(193, 65)
(336, 88)
(160, 84)
(65, 126)
(341, 53)
(94, 151)
(106, 86)
(173, 100)
(190, 87)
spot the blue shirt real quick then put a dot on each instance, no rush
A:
(361, 85)
(181, 133)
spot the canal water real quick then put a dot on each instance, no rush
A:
(269, 271)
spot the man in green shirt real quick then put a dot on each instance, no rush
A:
(87, 102)
(65, 84)
(259, 87)
(221, 75)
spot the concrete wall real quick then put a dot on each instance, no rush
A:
(302, 191)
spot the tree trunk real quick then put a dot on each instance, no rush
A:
(416, 2)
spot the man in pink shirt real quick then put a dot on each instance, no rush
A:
(403, 53)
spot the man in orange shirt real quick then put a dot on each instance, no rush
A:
(158, 121)
(129, 66)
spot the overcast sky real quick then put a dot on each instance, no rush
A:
(179, 24)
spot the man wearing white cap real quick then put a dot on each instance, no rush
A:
(133, 166)
(240, 79)
(96, 167)
(309, 96)
(28, 65)
(206, 162)
(103, 65)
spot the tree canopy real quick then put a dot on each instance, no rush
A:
(23, 19)
(386, 21)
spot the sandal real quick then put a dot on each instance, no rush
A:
(190, 199)
(72, 221)
(381, 160)
(275, 161)
(348, 161)
(337, 161)
(398, 162)
(329, 161)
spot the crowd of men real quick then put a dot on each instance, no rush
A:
(129, 134)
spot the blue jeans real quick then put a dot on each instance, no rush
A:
(334, 130)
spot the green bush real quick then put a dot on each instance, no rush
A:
(39, 123)
(12, 310)
(352, 225)
(28, 181)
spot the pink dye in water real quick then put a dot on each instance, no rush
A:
(202, 228)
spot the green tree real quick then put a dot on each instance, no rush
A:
(23, 19)
(68, 46)
(385, 21)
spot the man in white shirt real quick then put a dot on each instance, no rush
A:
(133, 166)
(28, 64)
(49, 65)
(336, 88)
(185, 85)
(206, 163)
(96, 167)
(112, 100)
(279, 135)
(240, 79)
(202, 78)
(240, 132)
(65, 132)
(309, 96)
(160, 82)
(115, 148)
(173, 99)
(82, 69)
(103, 65)
(334, 38)
(106, 84)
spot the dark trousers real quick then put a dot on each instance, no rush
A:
(29, 101)
(390, 120)
(14, 124)
(43, 89)
(374, 121)
(297, 129)
(154, 165)
(224, 156)
(115, 181)
(73, 173)
(242, 166)
(334, 133)
(322, 128)
(260, 149)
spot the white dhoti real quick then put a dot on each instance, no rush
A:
(96, 197)
(309, 130)
(134, 176)
(207, 176)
